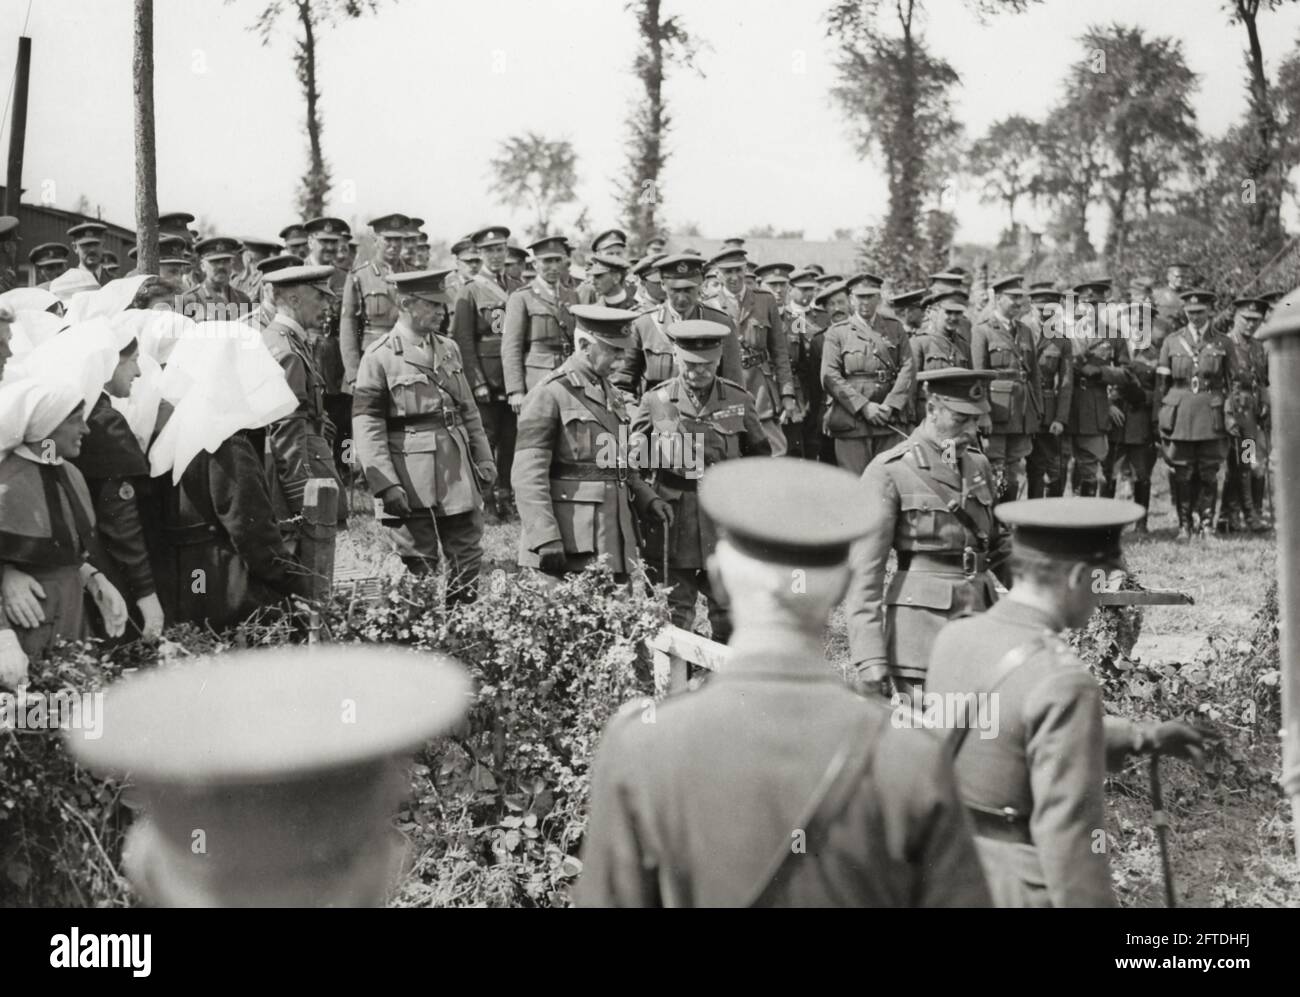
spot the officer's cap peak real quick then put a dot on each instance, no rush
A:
(1078, 527)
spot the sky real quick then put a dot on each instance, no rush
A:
(417, 98)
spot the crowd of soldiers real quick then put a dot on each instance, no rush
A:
(602, 406)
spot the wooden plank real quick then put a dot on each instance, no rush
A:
(1148, 598)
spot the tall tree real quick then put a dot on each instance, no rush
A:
(1265, 175)
(897, 96)
(1072, 153)
(314, 187)
(146, 162)
(537, 173)
(1007, 160)
(665, 43)
(1137, 93)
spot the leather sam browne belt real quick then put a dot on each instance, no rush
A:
(427, 420)
(588, 472)
(970, 561)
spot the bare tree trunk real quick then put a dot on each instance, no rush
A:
(1264, 212)
(316, 183)
(146, 164)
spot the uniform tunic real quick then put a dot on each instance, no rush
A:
(369, 310)
(910, 488)
(859, 365)
(698, 808)
(650, 360)
(537, 335)
(671, 419)
(205, 303)
(47, 529)
(215, 547)
(297, 445)
(1049, 457)
(569, 485)
(1200, 368)
(1047, 762)
(805, 343)
(1016, 395)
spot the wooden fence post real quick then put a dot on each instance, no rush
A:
(320, 503)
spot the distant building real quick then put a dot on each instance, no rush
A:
(40, 223)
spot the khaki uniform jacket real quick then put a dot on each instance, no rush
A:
(860, 365)
(1056, 375)
(650, 360)
(477, 325)
(538, 334)
(909, 487)
(1016, 396)
(573, 434)
(804, 342)
(369, 310)
(1090, 403)
(764, 354)
(1047, 762)
(932, 349)
(1246, 409)
(1140, 399)
(415, 423)
(204, 304)
(1198, 371)
(669, 420)
(297, 445)
(697, 809)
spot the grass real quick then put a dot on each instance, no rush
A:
(1229, 847)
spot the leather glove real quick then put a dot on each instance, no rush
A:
(552, 557)
(109, 601)
(152, 614)
(21, 595)
(394, 499)
(13, 660)
(662, 510)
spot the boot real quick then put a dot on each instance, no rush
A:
(1056, 488)
(1207, 522)
(1249, 511)
(1142, 496)
(1108, 489)
(1184, 507)
(1087, 489)
(1257, 499)
(1036, 486)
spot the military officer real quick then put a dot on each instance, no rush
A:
(764, 355)
(1002, 343)
(215, 299)
(323, 238)
(656, 245)
(299, 446)
(937, 345)
(8, 253)
(869, 386)
(1049, 457)
(368, 309)
(477, 326)
(954, 279)
(691, 422)
(612, 242)
(516, 260)
(1099, 357)
(649, 358)
(87, 241)
(1033, 783)
(1132, 441)
(1246, 419)
(1197, 368)
(250, 280)
(410, 255)
(469, 260)
(294, 238)
(606, 283)
(802, 430)
(173, 260)
(49, 260)
(538, 332)
(650, 292)
(931, 499)
(573, 480)
(419, 438)
(697, 808)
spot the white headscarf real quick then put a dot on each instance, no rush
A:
(221, 379)
(84, 356)
(32, 328)
(67, 285)
(157, 331)
(112, 299)
(35, 299)
(31, 410)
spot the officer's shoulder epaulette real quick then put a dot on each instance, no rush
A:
(449, 344)
(763, 290)
(732, 384)
(380, 341)
(897, 452)
(668, 391)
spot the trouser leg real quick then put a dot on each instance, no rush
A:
(719, 618)
(852, 454)
(417, 544)
(682, 596)
(462, 545)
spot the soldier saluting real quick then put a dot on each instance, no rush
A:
(931, 499)
(419, 438)
(696, 405)
(572, 481)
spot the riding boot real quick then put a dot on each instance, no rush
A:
(1142, 496)
(1257, 483)
(1249, 511)
(1108, 489)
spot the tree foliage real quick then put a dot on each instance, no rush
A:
(314, 186)
(665, 43)
(1007, 159)
(534, 172)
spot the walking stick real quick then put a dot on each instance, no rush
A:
(667, 527)
(1161, 821)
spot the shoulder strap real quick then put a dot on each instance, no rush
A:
(1003, 670)
(847, 768)
(954, 506)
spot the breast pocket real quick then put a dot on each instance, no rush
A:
(725, 439)
(1211, 362)
(582, 436)
(379, 307)
(412, 394)
(919, 517)
(1181, 368)
(854, 362)
(658, 366)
